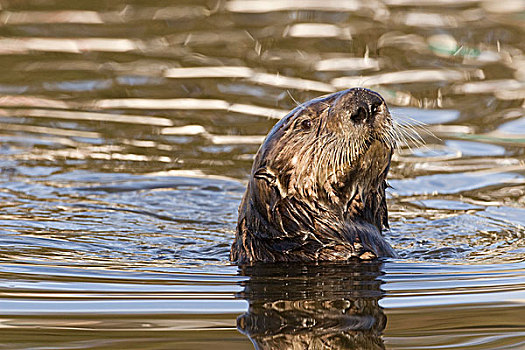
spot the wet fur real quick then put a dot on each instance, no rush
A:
(317, 186)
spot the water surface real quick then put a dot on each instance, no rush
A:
(127, 132)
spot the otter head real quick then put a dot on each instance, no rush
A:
(317, 187)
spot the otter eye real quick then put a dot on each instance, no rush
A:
(306, 124)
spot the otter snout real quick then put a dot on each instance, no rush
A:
(357, 106)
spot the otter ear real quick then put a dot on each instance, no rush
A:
(270, 179)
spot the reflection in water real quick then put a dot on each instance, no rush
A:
(325, 306)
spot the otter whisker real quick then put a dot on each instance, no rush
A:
(293, 99)
(403, 138)
(408, 136)
(411, 131)
(339, 159)
(348, 157)
(410, 122)
(413, 126)
(353, 151)
(412, 136)
(324, 153)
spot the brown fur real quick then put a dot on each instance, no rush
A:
(317, 186)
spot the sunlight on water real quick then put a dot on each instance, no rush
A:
(127, 134)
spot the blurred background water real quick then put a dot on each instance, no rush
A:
(127, 132)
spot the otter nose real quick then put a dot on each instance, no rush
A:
(358, 106)
(362, 113)
(365, 106)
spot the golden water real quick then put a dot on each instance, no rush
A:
(127, 131)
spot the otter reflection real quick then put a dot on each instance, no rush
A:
(321, 306)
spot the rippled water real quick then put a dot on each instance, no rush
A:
(127, 131)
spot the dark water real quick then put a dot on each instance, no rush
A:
(127, 131)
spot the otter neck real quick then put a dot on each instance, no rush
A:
(320, 216)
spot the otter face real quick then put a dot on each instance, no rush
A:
(330, 148)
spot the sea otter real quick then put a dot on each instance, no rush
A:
(317, 186)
